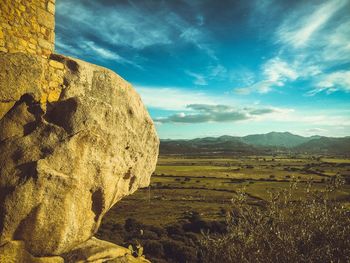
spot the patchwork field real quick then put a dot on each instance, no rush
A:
(191, 195)
(181, 185)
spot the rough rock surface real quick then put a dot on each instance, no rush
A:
(64, 164)
(15, 252)
(95, 250)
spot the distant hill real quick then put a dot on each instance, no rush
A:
(326, 145)
(269, 143)
(278, 139)
(209, 145)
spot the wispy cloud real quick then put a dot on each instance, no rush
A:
(201, 113)
(217, 71)
(120, 26)
(168, 98)
(323, 38)
(335, 81)
(191, 34)
(103, 52)
(199, 79)
(314, 119)
(276, 73)
(312, 40)
(297, 32)
(316, 130)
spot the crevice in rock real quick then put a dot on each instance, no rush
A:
(33, 108)
(127, 175)
(132, 181)
(27, 171)
(47, 151)
(29, 128)
(61, 112)
(27, 223)
(17, 155)
(97, 203)
(58, 58)
(27, 98)
(71, 64)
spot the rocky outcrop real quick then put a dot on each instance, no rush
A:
(67, 158)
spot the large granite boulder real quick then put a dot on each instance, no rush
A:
(65, 162)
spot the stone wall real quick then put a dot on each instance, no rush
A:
(27, 26)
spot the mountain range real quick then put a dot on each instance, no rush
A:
(268, 143)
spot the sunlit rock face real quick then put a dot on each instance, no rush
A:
(65, 160)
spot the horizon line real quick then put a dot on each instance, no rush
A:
(240, 136)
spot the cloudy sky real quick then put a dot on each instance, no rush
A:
(209, 67)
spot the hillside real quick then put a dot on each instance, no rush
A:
(325, 145)
(272, 142)
(278, 139)
(209, 145)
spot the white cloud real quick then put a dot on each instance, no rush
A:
(67, 49)
(204, 113)
(276, 72)
(131, 26)
(119, 26)
(335, 44)
(104, 53)
(172, 98)
(316, 130)
(217, 71)
(297, 31)
(314, 119)
(199, 79)
(332, 82)
(191, 34)
(314, 39)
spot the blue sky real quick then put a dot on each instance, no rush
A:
(209, 68)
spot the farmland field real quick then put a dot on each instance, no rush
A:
(206, 185)
(189, 195)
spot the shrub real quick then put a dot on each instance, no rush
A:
(147, 234)
(217, 227)
(154, 248)
(158, 230)
(175, 229)
(313, 229)
(193, 216)
(178, 252)
(132, 225)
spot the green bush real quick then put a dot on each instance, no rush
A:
(286, 229)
